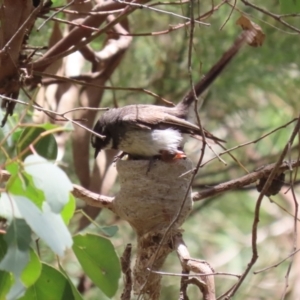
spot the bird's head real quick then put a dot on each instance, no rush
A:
(98, 142)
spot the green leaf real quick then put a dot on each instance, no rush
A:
(45, 180)
(99, 261)
(6, 278)
(49, 126)
(29, 276)
(46, 146)
(51, 180)
(16, 134)
(68, 210)
(16, 291)
(17, 238)
(6, 129)
(76, 294)
(3, 247)
(49, 226)
(6, 281)
(21, 183)
(110, 231)
(8, 208)
(32, 271)
(69, 126)
(290, 6)
(51, 285)
(13, 168)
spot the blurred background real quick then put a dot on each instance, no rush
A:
(258, 93)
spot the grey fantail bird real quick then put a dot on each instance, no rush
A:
(146, 131)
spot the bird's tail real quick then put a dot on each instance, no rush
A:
(215, 71)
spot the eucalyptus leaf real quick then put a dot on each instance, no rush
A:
(110, 231)
(32, 271)
(29, 276)
(68, 210)
(45, 146)
(16, 135)
(69, 126)
(51, 285)
(6, 129)
(21, 183)
(6, 278)
(48, 225)
(3, 247)
(99, 261)
(8, 207)
(76, 294)
(17, 290)
(17, 238)
(51, 180)
(6, 281)
(49, 126)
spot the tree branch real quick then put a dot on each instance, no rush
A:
(244, 180)
(206, 284)
(97, 200)
(93, 199)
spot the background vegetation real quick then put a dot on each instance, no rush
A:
(257, 94)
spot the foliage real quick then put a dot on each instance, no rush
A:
(37, 199)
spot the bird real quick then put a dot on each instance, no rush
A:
(145, 131)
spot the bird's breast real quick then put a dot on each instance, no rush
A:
(148, 143)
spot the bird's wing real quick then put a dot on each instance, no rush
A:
(146, 117)
(143, 117)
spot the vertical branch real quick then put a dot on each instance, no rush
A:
(295, 235)
(257, 209)
(107, 63)
(207, 284)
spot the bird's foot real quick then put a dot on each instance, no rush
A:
(150, 164)
(171, 157)
(119, 156)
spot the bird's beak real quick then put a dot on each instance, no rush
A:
(96, 153)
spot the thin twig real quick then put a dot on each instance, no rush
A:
(85, 83)
(274, 16)
(295, 235)
(54, 14)
(229, 16)
(138, 5)
(277, 264)
(56, 113)
(90, 13)
(251, 142)
(242, 181)
(91, 198)
(257, 209)
(45, 61)
(196, 274)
